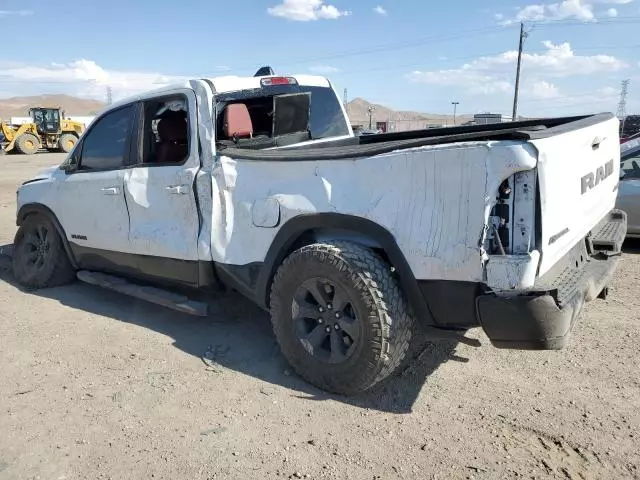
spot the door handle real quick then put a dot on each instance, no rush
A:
(110, 190)
(177, 189)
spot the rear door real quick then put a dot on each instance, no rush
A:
(578, 171)
(160, 193)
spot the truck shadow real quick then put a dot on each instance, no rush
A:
(237, 336)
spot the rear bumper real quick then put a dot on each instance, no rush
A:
(542, 318)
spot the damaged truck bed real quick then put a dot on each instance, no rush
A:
(258, 184)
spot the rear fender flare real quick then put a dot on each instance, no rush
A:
(312, 227)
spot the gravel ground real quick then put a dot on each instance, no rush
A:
(97, 385)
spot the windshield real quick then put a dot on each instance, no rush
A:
(326, 118)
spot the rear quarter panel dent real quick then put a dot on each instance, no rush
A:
(429, 198)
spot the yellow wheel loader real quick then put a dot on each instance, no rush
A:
(48, 129)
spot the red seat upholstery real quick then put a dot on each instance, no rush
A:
(237, 121)
(173, 146)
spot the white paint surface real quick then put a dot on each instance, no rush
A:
(434, 200)
(266, 213)
(85, 204)
(562, 161)
(512, 272)
(162, 203)
(232, 83)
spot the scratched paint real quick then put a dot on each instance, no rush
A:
(82, 206)
(161, 202)
(429, 198)
(435, 200)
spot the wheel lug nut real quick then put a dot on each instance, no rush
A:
(329, 306)
(320, 309)
(320, 320)
(337, 314)
(328, 329)
(336, 326)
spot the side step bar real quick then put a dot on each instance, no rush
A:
(155, 295)
(609, 234)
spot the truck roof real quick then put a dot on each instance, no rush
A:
(224, 84)
(234, 83)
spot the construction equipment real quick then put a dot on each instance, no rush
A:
(48, 129)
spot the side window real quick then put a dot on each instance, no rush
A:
(104, 146)
(327, 119)
(166, 131)
(630, 168)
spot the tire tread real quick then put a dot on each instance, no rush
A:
(368, 270)
(62, 272)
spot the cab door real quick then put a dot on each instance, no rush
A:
(159, 188)
(90, 202)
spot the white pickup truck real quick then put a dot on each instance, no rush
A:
(258, 184)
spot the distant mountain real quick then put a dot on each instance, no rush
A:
(358, 110)
(19, 106)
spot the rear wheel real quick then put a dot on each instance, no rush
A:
(340, 317)
(67, 142)
(39, 258)
(27, 143)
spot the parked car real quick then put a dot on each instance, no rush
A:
(629, 189)
(258, 184)
(366, 131)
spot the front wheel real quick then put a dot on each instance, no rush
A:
(39, 258)
(340, 317)
(27, 144)
(67, 142)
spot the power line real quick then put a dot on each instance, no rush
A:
(459, 35)
(400, 45)
(463, 34)
(629, 20)
(9, 80)
(566, 97)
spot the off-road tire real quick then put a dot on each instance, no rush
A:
(66, 142)
(55, 270)
(385, 318)
(27, 144)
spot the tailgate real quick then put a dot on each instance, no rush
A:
(578, 174)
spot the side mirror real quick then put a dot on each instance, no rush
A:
(69, 166)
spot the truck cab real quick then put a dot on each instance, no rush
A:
(150, 150)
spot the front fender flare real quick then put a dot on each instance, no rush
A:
(38, 208)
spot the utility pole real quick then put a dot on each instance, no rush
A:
(371, 109)
(109, 96)
(523, 35)
(455, 105)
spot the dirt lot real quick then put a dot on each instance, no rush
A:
(97, 385)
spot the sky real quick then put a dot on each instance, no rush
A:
(406, 54)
